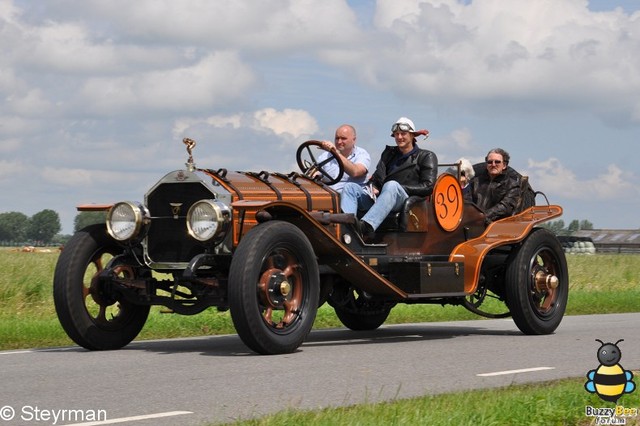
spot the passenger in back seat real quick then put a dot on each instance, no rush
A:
(496, 187)
(403, 170)
(466, 174)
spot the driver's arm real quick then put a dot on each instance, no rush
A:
(353, 169)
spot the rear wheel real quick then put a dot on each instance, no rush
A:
(356, 310)
(92, 316)
(274, 288)
(537, 284)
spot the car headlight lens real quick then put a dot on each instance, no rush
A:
(208, 220)
(125, 220)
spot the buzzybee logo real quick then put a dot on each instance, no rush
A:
(609, 381)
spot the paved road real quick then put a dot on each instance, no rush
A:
(216, 379)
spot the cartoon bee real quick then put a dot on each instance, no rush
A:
(609, 380)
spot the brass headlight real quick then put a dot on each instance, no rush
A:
(126, 219)
(208, 220)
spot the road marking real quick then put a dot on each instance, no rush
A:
(133, 418)
(15, 352)
(523, 370)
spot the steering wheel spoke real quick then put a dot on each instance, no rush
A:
(310, 166)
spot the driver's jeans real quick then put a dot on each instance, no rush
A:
(354, 198)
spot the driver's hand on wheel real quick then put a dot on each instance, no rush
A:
(328, 146)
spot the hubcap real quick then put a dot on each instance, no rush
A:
(277, 287)
(279, 291)
(545, 282)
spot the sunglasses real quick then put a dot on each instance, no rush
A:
(401, 127)
(494, 161)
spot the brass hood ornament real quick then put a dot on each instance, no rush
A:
(190, 143)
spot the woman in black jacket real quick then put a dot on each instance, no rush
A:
(403, 170)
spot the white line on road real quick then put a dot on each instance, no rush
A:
(133, 418)
(14, 352)
(523, 370)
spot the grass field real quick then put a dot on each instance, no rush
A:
(552, 403)
(598, 284)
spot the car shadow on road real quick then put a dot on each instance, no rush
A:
(400, 333)
(232, 346)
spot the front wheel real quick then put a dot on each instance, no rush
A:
(92, 316)
(537, 284)
(274, 288)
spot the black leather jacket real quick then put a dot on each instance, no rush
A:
(417, 174)
(497, 197)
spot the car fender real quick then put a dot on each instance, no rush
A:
(327, 246)
(507, 231)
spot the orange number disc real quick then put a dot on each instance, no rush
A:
(447, 196)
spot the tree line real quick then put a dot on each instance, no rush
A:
(558, 228)
(43, 228)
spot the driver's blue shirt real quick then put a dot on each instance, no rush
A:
(357, 156)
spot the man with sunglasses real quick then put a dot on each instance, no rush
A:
(496, 187)
(403, 170)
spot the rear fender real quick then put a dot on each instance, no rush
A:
(507, 231)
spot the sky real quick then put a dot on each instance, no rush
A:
(97, 96)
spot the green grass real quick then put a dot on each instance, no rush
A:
(598, 284)
(553, 403)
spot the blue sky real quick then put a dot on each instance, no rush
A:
(97, 96)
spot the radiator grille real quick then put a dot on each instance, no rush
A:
(168, 240)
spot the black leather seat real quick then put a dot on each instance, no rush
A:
(398, 221)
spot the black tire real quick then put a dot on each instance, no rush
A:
(274, 288)
(362, 321)
(91, 317)
(537, 307)
(356, 312)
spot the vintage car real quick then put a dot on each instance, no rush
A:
(273, 247)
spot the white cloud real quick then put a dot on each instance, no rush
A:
(274, 25)
(10, 145)
(289, 123)
(491, 49)
(101, 93)
(211, 82)
(559, 179)
(9, 170)
(183, 125)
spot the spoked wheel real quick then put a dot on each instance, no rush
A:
(274, 288)
(310, 166)
(92, 316)
(537, 284)
(356, 310)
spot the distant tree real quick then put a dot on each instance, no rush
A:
(555, 226)
(84, 219)
(13, 226)
(585, 224)
(574, 226)
(43, 226)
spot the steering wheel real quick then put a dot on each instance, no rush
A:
(311, 167)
